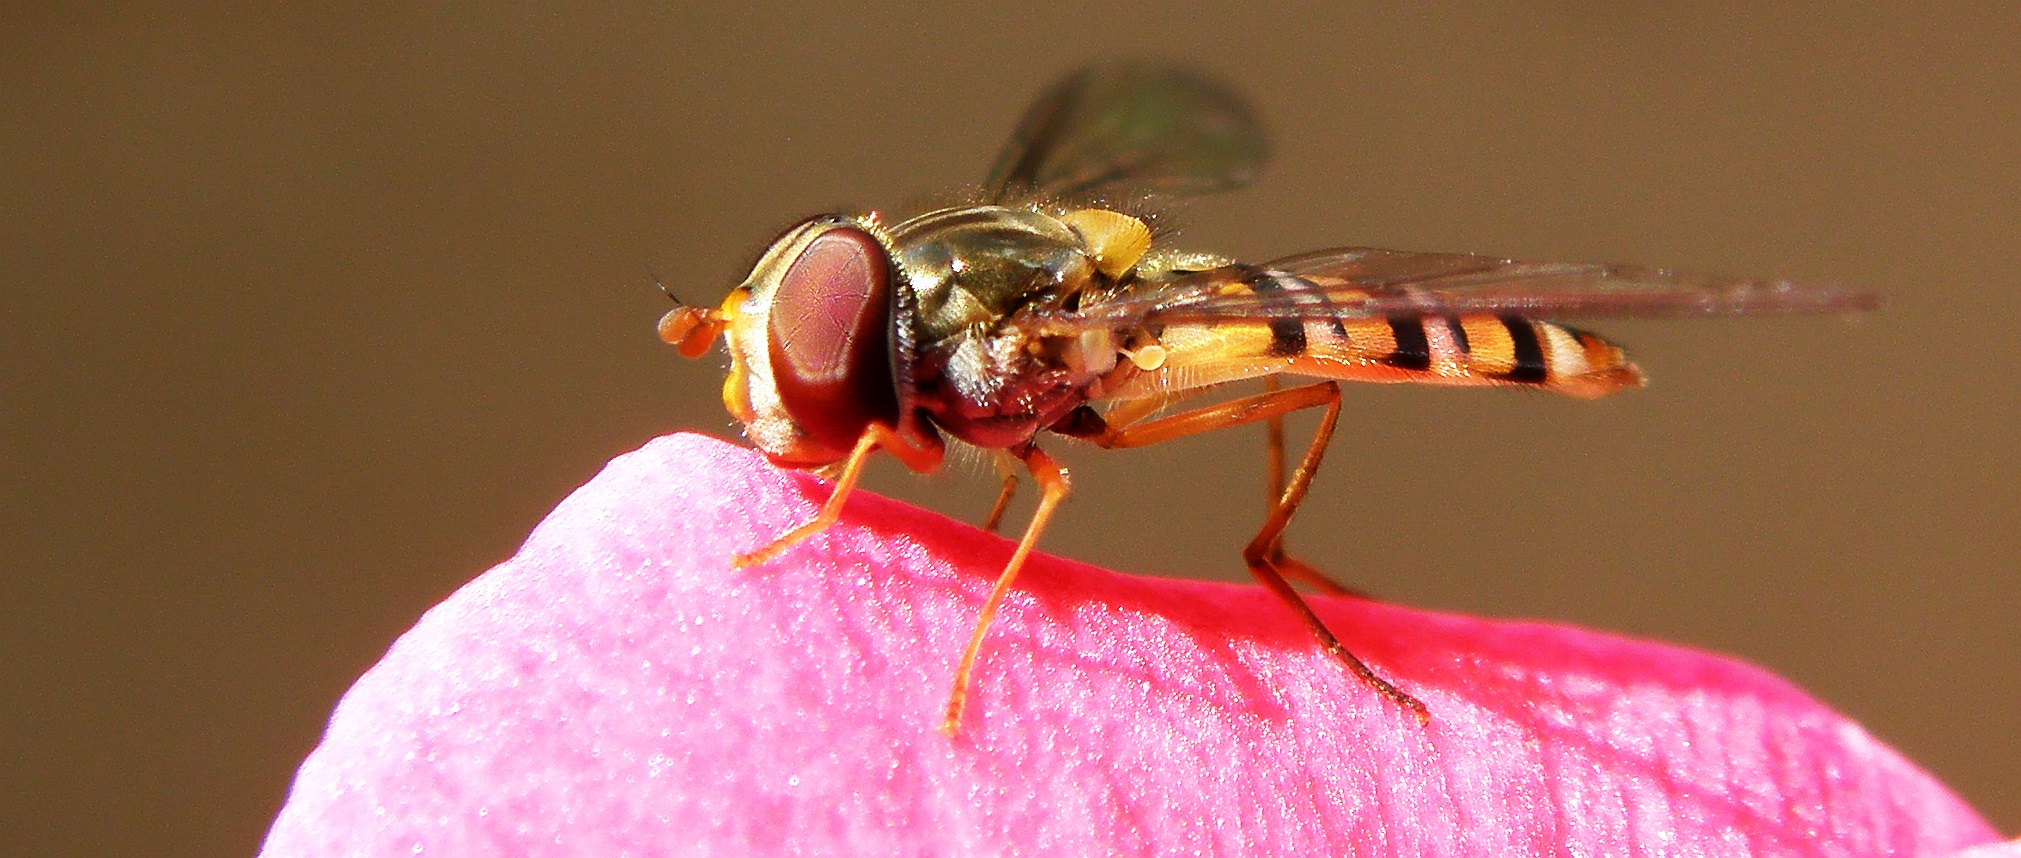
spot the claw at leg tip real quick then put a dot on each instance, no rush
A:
(950, 720)
(762, 555)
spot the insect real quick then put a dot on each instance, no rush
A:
(1050, 307)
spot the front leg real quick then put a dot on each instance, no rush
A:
(875, 436)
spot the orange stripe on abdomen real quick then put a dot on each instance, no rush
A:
(1466, 350)
(1455, 350)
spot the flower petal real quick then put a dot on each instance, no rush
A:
(616, 688)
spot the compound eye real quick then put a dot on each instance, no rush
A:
(829, 327)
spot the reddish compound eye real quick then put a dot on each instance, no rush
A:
(830, 331)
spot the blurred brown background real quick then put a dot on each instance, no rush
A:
(311, 317)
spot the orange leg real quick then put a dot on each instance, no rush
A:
(1291, 566)
(1134, 411)
(1003, 498)
(1306, 574)
(1262, 554)
(1053, 488)
(873, 438)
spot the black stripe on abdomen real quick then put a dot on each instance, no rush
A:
(1413, 349)
(1529, 351)
(1287, 336)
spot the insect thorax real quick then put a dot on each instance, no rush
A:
(968, 269)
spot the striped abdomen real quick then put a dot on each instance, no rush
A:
(1474, 349)
(1464, 350)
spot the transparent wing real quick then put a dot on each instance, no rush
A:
(1121, 132)
(1359, 283)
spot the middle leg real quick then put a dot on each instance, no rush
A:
(1053, 488)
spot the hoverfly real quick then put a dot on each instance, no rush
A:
(1049, 306)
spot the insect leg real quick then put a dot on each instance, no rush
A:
(1134, 411)
(1003, 498)
(1234, 412)
(874, 437)
(1258, 554)
(1053, 488)
(1263, 552)
(1291, 566)
(1306, 574)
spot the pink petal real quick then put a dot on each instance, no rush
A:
(617, 689)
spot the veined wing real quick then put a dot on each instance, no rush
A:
(1364, 283)
(1119, 132)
